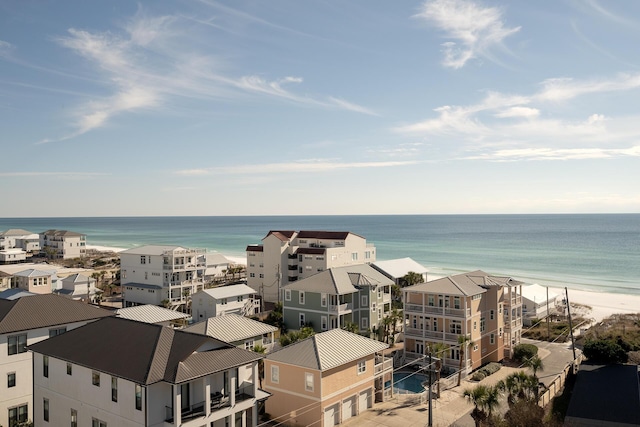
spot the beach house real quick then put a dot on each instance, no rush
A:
(23, 322)
(238, 299)
(354, 294)
(397, 269)
(326, 379)
(537, 303)
(287, 256)
(484, 308)
(63, 244)
(78, 287)
(118, 372)
(237, 330)
(161, 275)
(32, 280)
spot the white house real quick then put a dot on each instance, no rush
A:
(63, 244)
(78, 287)
(238, 299)
(286, 256)
(396, 269)
(12, 256)
(17, 238)
(237, 330)
(118, 372)
(152, 274)
(26, 321)
(535, 299)
(217, 266)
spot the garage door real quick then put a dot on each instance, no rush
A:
(348, 408)
(331, 416)
(364, 401)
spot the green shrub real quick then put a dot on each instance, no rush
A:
(604, 351)
(479, 375)
(492, 368)
(522, 352)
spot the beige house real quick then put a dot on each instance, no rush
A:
(325, 379)
(287, 256)
(32, 280)
(485, 308)
(63, 243)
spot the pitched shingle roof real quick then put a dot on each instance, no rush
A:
(341, 280)
(331, 235)
(144, 353)
(41, 311)
(231, 328)
(255, 248)
(15, 232)
(63, 233)
(327, 350)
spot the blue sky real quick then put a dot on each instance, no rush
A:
(326, 107)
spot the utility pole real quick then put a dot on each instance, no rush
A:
(548, 316)
(573, 342)
(430, 400)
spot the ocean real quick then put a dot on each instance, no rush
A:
(595, 252)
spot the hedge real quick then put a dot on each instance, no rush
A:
(523, 352)
(485, 371)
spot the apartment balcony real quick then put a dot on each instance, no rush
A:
(437, 311)
(341, 308)
(292, 278)
(513, 301)
(217, 402)
(382, 366)
(292, 267)
(513, 325)
(430, 335)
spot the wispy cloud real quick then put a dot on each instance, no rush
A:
(146, 66)
(512, 127)
(308, 166)
(476, 29)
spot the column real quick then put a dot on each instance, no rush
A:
(256, 379)
(207, 395)
(177, 405)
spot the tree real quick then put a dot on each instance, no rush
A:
(411, 278)
(524, 413)
(396, 296)
(438, 350)
(260, 349)
(492, 399)
(274, 318)
(477, 396)
(463, 341)
(165, 303)
(351, 327)
(604, 351)
(185, 294)
(396, 316)
(519, 386)
(295, 336)
(535, 363)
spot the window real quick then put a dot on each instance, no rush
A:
(301, 297)
(114, 389)
(455, 327)
(323, 323)
(455, 354)
(492, 339)
(69, 368)
(354, 256)
(323, 300)
(97, 423)
(45, 366)
(11, 379)
(482, 324)
(491, 315)
(45, 409)
(367, 255)
(308, 381)
(379, 292)
(57, 331)
(248, 345)
(475, 347)
(143, 259)
(18, 414)
(363, 301)
(74, 418)
(223, 301)
(240, 298)
(362, 367)
(95, 378)
(287, 294)
(456, 302)
(475, 325)
(301, 320)
(261, 276)
(275, 374)
(138, 397)
(252, 274)
(431, 301)
(364, 323)
(17, 344)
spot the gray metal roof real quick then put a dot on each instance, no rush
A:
(15, 232)
(327, 350)
(142, 352)
(459, 284)
(142, 285)
(15, 293)
(231, 328)
(398, 268)
(41, 311)
(341, 280)
(151, 249)
(32, 273)
(150, 314)
(78, 278)
(229, 291)
(63, 233)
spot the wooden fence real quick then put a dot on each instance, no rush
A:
(556, 386)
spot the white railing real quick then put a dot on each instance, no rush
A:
(442, 311)
(382, 367)
(341, 307)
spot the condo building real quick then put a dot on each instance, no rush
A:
(287, 256)
(63, 244)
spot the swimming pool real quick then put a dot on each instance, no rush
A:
(409, 381)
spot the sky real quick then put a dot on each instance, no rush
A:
(204, 107)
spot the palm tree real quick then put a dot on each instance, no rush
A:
(412, 278)
(351, 327)
(260, 349)
(478, 396)
(492, 399)
(396, 316)
(439, 349)
(464, 341)
(535, 363)
(519, 386)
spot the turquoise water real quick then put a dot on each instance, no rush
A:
(594, 252)
(409, 381)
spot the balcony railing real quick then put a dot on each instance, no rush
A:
(513, 301)
(441, 311)
(381, 367)
(341, 308)
(434, 335)
(218, 401)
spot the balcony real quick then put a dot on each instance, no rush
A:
(381, 366)
(292, 267)
(438, 311)
(432, 335)
(341, 308)
(218, 402)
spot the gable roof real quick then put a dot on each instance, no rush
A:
(78, 278)
(397, 268)
(231, 328)
(341, 280)
(229, 291)
(14, 293)
(283, 235)
(151, 249)
(41, 311)
(327, 350)
(537, 293)
(450, 285)
(330, 235)
(62, 233)
(150, 314)
(31, 273)
(255, 248)
(142, 352)
(15, 232)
